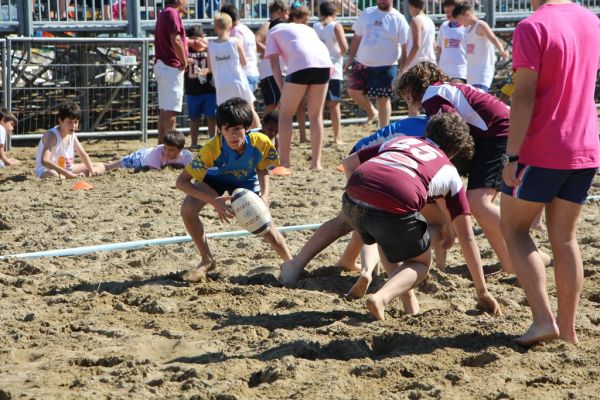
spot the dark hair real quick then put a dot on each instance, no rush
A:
(278, 6)
(299, 13)
(461, 8)
(271, 116)
(69, 109)
(194, 31)
(232, 11)
(327, 9)
(277, 21)
(418, 4)
(233, 112)
(451, 133)
(6, 116)
(449, 3)
(175, 138)
(416, 80)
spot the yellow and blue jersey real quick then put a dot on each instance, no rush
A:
(217, 161)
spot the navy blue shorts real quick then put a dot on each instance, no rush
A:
(309, 76)
(221, 187)
(401, 237)
(270, 91)
(202, 104)
(541, 185)
(334, 90)
(374, 81)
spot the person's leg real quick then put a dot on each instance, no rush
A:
(562, 219)
(327, 233)
(487, 215)
(290, 98)
(212, 126)
(190, 209)
(166, 122)
(435, 220)
(277, 241)
(98, 167)
(361, 99)
(516, 218)
(335, 112)
(110, 166)
(404, 276)
(384, 106)
(315, 97)
(50, 173)
(351, 253)
(301, 119)
(195, 130)
(369, 259)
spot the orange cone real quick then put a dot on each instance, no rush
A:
(81, 185)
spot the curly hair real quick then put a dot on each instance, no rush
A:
(416, 80)
(451, 133)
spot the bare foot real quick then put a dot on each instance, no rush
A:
(570, 337)
(348, 265)
(546, 259)
(316, 168)
(199, 274)
(537, 334)
(339, 142)
(290, 272)
(359, 289)
(410, 303)
(376, 307)
(373, 118)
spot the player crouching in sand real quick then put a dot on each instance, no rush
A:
(234, 158)
(387, 187)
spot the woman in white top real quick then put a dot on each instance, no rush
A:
(332, 34)
(226, 59)
(480, 47)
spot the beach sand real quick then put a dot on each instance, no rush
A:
(124, 325)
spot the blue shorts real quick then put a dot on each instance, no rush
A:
(270, 91)
(374, 81)
(133, 160)
(334, 90)
(202, 104)
(482, 87)
(222, 187)
(253, 82)
(541, 185)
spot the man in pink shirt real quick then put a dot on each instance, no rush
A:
(171, 61)
(552, 155)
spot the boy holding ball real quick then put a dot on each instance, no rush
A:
(234, 158)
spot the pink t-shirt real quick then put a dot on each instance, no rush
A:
(168, 22)
(299, 47)
(562, 43)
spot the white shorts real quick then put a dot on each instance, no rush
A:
(170, 86)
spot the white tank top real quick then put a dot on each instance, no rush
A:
(230, 79)
(453, 60)
(426, 52)
(327, 35)
(480, 58)
(62, 154)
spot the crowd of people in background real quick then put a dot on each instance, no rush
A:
(404, 182)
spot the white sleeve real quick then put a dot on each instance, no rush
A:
(358, 26)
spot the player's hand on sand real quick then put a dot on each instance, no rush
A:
(509, 174)
(71, 175)
(223, 209)
(489, 304)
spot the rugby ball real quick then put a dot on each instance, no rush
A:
(250, 211)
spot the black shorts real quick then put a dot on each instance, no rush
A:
(309, 76)
(486, 168)
(270, 91)
(334, 90)
(401, 237)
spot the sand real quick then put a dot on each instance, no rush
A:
(123, 324)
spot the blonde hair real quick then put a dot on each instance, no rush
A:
(223, 21)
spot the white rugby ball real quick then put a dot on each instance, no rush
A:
(251, 212)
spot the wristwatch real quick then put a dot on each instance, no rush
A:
(508, 158)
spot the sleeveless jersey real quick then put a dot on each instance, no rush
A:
(230, 79)
(63, 153)
(480, 58)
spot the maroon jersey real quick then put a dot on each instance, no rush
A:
(168, 23)
(484, 113)
(402, 174)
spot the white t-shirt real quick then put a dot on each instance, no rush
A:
(2, 136)
(153, 157)
(427, 51)
(480, 58)
(383, 33)
(249, 45)
(327, 35)
(453, 59)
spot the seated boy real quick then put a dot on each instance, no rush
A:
(387, 187)
(7, 125)
(56, 151)
(170, 153)
(234, 158)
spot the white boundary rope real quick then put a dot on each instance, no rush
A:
(138, 244)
